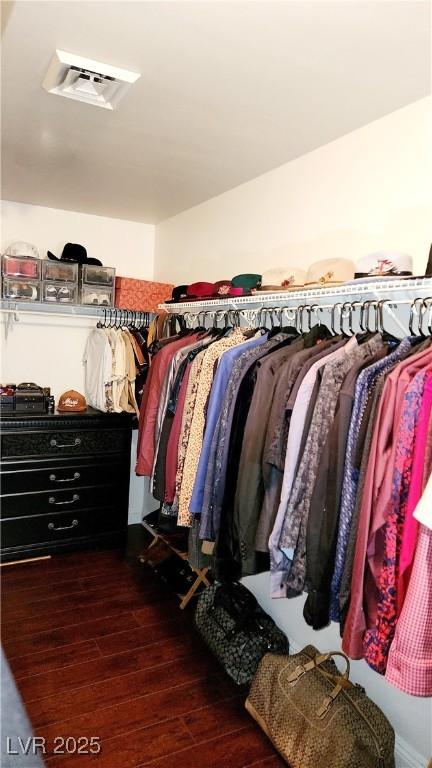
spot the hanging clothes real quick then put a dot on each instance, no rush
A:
(98, 361)
(377, 639)
(409, 664)
(307, 453)
(377, 492)
(365, 386)
(113, 358)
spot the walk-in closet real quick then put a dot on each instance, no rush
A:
(216, 384)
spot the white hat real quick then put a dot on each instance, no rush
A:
(282, 279)
(384, 264)
(22, 249)
(328, 272)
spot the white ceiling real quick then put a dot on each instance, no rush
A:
(228, 90)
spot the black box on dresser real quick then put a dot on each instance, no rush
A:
(64, 482)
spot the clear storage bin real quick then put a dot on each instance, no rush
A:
(21, 290)
(60, 271)
(95, 275)
(21, 266)
(97, 296)
(60, 293)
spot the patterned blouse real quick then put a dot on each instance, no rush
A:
(293, 536)
(364, 387)
(188, 410)
(378, 639)
(197, 422)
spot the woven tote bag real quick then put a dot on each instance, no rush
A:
(317, 718)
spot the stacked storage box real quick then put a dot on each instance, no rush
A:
(21, 278)
(97, 285)
(60, 282)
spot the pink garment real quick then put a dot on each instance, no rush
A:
(173, 440)
(150, 403)
(410, 530)
(409, 665)
(369, 552)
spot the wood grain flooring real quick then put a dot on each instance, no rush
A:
(100, 648)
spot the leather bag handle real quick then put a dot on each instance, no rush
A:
(320, 658)
(341, 681)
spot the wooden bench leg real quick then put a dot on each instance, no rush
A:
(200, 579)
(141, 558)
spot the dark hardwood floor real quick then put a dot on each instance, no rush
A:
(99, 647)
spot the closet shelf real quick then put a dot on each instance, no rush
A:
(43, 308)
(398, 290)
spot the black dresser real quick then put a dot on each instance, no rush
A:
(64, 482)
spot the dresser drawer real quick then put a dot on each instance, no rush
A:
(50, 475)
(59, 527)
(71, 442)
(48, 502)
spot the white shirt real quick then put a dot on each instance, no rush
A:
(119, 366)
(98, 368)
(423, 510)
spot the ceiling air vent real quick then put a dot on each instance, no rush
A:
(86, 80)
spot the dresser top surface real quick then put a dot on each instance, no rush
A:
(89, 413)
(88, 417)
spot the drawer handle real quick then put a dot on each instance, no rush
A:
(74, 498)
(54, 479)
(55, 444)
(52, 527)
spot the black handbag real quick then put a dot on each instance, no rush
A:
(237, 630)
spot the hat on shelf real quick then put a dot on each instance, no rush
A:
(224, 289)
(71, 401)
(247, 281)
(282, 279)
(197, 291)
(384, 264)
(329, 272)
(76, 253)
(178, 293)
(22, 249)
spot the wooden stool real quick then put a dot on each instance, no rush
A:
(200, 573)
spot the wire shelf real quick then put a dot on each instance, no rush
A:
(409, 288)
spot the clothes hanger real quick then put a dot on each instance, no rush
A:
(336, 306)
(274, 329)
(422, 312)
(99, 323)
(386, 336)
(277, 322)
(365, 329)
(430, 314)
(413, 311)
(262, 324)
(346, 312)
(299, 318)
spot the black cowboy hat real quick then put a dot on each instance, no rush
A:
(76, 253)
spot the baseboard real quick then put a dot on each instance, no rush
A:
(406, 756)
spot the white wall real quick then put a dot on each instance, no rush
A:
(369, 190)
(49, 350)
(126, 245)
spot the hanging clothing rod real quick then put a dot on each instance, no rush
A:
(39, 313)
(85, 316)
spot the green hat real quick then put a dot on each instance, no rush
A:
(247, 282)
